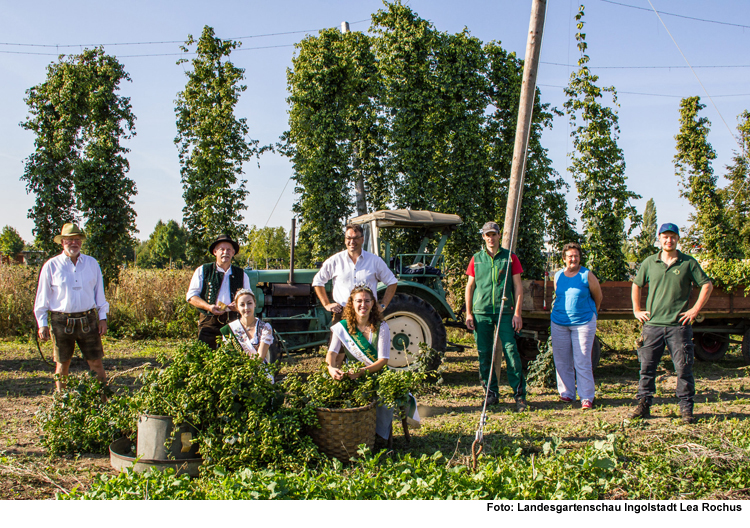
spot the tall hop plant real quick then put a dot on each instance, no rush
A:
(78, 168)
(598, 168)
(212, 144)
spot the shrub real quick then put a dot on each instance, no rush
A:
(150, 303)
(145, 304)
(17, 292)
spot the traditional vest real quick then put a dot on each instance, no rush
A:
(489, 276)
(212, 283)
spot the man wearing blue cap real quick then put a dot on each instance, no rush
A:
(670, 275)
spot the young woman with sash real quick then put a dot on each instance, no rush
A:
(249, 334)
(362, 336)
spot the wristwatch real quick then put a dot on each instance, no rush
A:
(382, 306)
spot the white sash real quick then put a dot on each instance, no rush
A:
(244, 340)
(346, 339)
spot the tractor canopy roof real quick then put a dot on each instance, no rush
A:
(408, 218)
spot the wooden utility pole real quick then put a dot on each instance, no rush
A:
(528, 92)
(359, 181)
(518, 167)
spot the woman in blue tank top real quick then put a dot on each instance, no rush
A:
(573, 320)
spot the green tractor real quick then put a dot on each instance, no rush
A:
(417, 314)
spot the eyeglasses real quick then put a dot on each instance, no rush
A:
(348, 239)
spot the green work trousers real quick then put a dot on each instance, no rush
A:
(484, 336)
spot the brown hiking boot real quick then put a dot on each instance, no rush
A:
(643, 410)
(687, 416)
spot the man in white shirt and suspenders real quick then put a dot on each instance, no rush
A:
(70, 299)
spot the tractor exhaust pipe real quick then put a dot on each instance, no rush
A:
(292, 236)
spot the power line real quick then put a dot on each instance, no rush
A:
(648, 67)
(166, 41)
(650, 94)
(676, 15)
(731, 133)
(183, 54)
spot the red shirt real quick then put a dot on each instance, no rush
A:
(515, 266)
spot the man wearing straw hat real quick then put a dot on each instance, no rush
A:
(212, 289)
(70, 300)
(489, 284)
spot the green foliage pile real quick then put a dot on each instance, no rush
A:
(230, 400)
(598, 168)
(389, 387)
(79, 166)
(238, 412)
(729, 275)
(77, 420)
(321, 390)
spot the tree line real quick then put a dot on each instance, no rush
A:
(404, 116)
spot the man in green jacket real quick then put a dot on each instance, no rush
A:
(495, 273)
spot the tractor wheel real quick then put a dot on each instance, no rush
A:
(412, 321)
(710, 347)
(746, 347)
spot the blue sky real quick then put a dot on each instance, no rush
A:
(618, 36)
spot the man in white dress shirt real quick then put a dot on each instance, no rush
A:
(212, 290)
(70, 299)
(349, 267)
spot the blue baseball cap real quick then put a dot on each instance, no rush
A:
(669, 227)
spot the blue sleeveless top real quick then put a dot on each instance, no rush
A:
(573, 302)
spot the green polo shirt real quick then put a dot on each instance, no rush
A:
(669, 287)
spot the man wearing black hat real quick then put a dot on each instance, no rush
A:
(670, 275)
(495, 276)
(212, 290)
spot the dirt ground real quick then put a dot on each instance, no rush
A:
(450, 412)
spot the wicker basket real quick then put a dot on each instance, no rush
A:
(342, 430)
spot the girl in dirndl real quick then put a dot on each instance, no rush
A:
(362, 336)
(249, 333)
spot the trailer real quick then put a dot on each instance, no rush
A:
(726, 314)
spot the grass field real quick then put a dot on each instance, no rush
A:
(659, 458)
